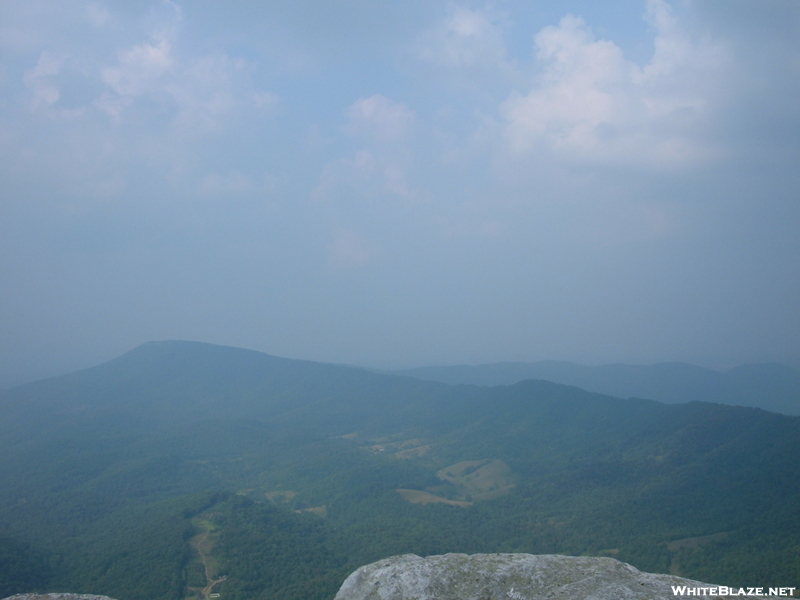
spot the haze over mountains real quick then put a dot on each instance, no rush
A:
(395, 184)
(129, 478)
(769, 386)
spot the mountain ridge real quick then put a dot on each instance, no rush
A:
(770, 386)
(110, 472)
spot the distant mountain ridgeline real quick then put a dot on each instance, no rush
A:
(180, 469)
(160, 384)
(770, 386)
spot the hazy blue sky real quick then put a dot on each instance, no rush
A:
(400, 183)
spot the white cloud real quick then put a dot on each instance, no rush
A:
(465, 38)
(138, 68)
(141, 69)
(112, 96)
(379, 118)
(40, 80)
(201, 90)
(378, 170)
(53, 73)
(135, 75)
(589, 103)
(366, 174)
(157, 74)
(98, 15)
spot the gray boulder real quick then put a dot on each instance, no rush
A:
(508, 577)
(55, 596)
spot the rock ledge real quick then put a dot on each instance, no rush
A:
(57, 596)
(507, 577)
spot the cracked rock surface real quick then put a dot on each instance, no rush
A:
(507, 577)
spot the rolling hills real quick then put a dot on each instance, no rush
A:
(110, 473)
(770, 386)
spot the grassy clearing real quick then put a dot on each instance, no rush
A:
(400, 448)
(479, 479)
(280, 495)
(691, 543)
(205, 525)
(416, 452)
(696, 542)
(320, 511)
(420, 497)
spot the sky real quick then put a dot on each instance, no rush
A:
(399, 184)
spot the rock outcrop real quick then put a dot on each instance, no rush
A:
(507, 577)
(55, 596)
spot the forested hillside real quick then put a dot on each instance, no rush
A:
(181, 468)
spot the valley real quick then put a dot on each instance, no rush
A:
(184, 470)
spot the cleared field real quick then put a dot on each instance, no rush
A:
(413, 452)
(420, 497)
(280, 495)
(691, 543)
(481, 479)
(401, 448)
(320, 511)
(696, 542)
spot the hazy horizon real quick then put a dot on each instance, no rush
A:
(400, 185)
(398, 369)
